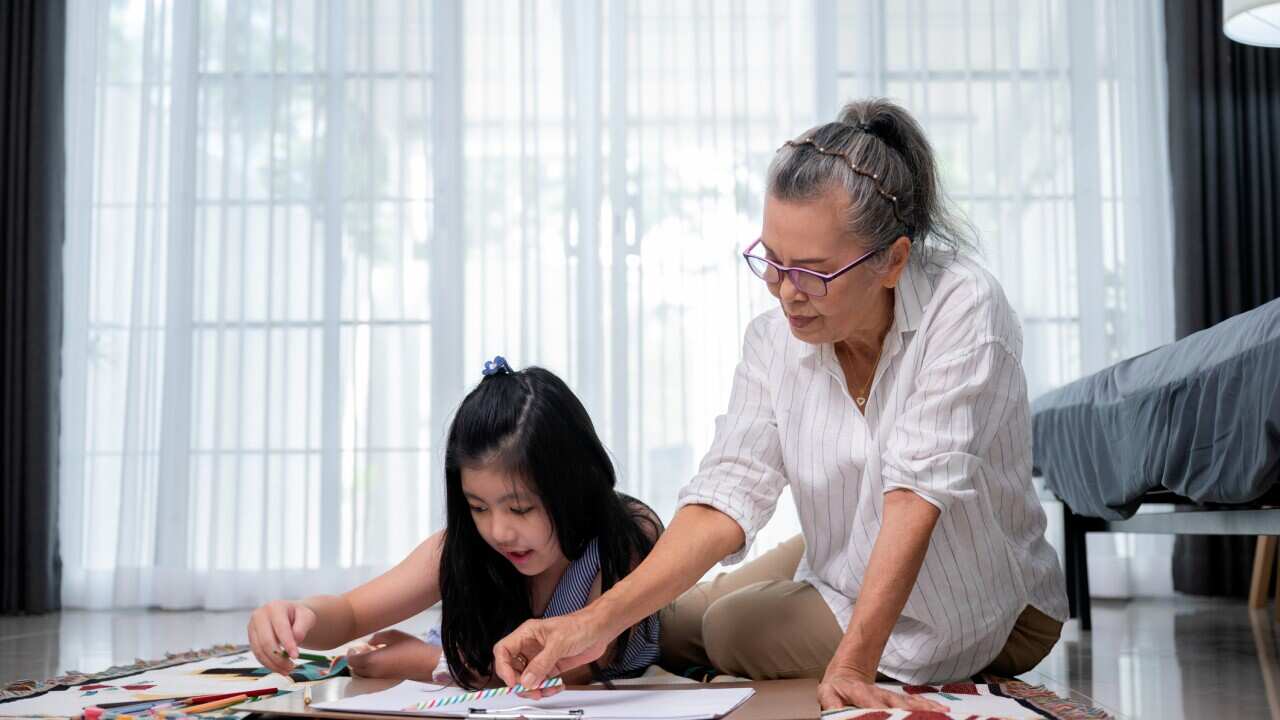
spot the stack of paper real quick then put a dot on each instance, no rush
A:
(701, 704)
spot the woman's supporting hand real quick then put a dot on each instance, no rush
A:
(844, 687)
(394, 654)
(545, 648)
(891, 574)
(280, 624)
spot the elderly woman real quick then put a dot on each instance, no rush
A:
(887, 392)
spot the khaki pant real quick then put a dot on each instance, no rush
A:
(757, 622)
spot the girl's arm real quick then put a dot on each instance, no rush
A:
(326, 621)
(398, 594)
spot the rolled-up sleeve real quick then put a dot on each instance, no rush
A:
(937, 445)
(742, 474)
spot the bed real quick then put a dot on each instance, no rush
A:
(1195, 423)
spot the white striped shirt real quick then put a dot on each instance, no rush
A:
(947, 418)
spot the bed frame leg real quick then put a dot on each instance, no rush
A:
(1076, 558)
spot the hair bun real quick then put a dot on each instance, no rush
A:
(497, 366)
(884, 128)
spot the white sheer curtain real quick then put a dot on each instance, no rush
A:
(248, 406)
(296, 229)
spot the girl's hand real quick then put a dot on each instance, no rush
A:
(394, 654)
(280, 624)
(843, 687)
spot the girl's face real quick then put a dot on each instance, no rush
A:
(810, 235)
(510, 517)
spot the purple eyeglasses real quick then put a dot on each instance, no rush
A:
(813, 284)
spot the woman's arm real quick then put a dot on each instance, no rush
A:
(699, 536)
(732, 496)
(933, 459)
(891, 574)
(651, 525)
(896, 558)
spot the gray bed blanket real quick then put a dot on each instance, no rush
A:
(1200, 417)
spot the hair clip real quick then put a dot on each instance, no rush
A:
(498, 365)
(858, 170)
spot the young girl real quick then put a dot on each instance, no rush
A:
(534, 529)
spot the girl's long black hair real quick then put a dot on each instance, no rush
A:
(530, 424)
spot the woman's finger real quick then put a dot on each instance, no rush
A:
(919, 703)
(504, 655)
(893, 700)
(542, 664)
(906, 702)
(829, 699)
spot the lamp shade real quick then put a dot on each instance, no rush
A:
(1253, 22)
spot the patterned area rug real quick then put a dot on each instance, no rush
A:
(987, 698)
(28, 688)
(1032, 701)
(1046, 701)
(214, 670)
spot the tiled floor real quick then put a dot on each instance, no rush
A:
(1170, 659)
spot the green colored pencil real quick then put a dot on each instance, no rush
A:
(306, 656)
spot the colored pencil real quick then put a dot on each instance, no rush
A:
(197, 700)
(215, 705)
(481, 695)
(130, 708)
(306, 656)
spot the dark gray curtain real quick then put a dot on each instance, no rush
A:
(1224, 142)
(32, 40)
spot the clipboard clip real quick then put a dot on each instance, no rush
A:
(523, 712)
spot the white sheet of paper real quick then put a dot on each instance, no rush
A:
(701, 704)
(984, 705)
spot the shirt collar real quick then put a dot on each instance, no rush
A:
(910, 297)
(913, 293)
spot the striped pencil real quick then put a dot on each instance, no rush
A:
(481, 695)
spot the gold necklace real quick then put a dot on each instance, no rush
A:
(861, 398)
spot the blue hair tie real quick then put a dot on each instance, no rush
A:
(498, 365)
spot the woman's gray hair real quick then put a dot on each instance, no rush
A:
(883, 141)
